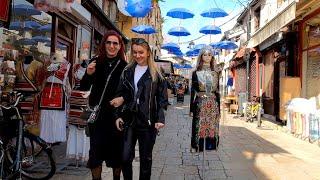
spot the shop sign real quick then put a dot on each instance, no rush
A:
(4, 10)
(234, 32)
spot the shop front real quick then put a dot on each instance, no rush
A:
(310, 55)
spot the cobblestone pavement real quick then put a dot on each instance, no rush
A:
(245, 152)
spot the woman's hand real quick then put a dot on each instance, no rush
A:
(91, 68)
(119, 124)
(158, 125)
(116, 102)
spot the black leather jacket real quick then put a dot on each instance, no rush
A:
(153, 97)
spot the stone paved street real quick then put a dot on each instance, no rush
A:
(245, 152)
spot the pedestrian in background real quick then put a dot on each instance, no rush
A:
(105, 139)
(205, 102)
(145, 98)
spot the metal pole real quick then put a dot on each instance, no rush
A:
(203, 158)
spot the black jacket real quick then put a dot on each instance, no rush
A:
(153, 97)
(98, 81)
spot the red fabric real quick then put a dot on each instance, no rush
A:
(52, 98)
(4, 10)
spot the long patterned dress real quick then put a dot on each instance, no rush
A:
(205, 106)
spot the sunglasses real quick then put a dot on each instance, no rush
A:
(139, 41)
(112, 42)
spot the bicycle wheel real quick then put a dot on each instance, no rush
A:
(37, 160)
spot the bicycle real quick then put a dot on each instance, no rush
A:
(253, 110)
(22, 153)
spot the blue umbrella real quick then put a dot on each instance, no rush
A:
(143, 29)
(198, 47)
(215, 45)
(45, 28)
(180, 13)
(177, 66)
(42, 39)
(26, 41)
(138, 8)
(25, 10)
(176, 52)
(178, 31)
(187, 66)
(211, 29)
(214, 13)
(170, 46)
(24, 25)
(227, 45)
(191, 53)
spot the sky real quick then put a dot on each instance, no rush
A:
(193, 25)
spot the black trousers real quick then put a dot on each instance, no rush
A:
(146, 139)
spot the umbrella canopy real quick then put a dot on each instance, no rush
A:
(215, 45)
(138, 8)
(143, 29)
(180, 13)
(187, 66)
(177, 66)
(178, 31)
(26, 41)
(211, 29)
(214, 13)
(227, 45)
(176, 52)
(41, 39)
(45, 28)
(191, 53)
(24, 25)
(170, 47)
(25, 10)
(198, 47)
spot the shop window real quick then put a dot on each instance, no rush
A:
(65, 29)
(83, 45)
(29, 31)
(313, 73)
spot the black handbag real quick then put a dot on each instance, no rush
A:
(91, 114)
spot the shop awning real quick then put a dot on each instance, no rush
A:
(239, 56)
(278, 22)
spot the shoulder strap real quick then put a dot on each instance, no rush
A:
(26, 77)
(107, 82)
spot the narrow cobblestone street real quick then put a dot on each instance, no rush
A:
(245, 152)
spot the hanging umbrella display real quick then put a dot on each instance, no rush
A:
(43, 39)
(27, 41)
(191, 53)
(177, 66)
(143, 29)
(138, 8)
(24, 25)
(214, 13)
(25, 10)
(211, 29)
(121, 4)
(176, 52)
(178, 31)
(198, 47)
(214, 45)
(187, 66)
(180, 13)
(227, 45)
(170, 47)
(45, 28)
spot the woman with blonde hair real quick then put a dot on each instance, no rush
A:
(144, 91)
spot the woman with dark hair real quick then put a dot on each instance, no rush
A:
(105, 140)
(205, 102)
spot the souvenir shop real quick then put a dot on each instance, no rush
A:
(303, 114)
(44, 48)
